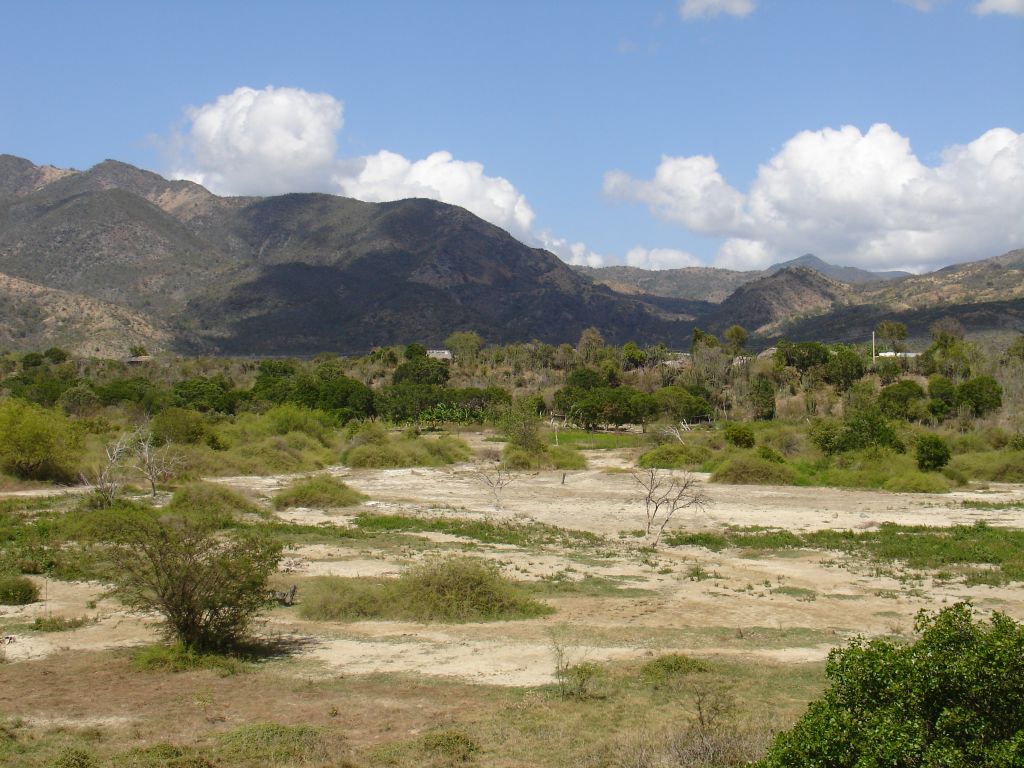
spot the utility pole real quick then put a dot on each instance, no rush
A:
(872, 346)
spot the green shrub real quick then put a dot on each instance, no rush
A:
(982, 395)
(932, 453)
(675, 456)
(210, 504)
(73, 757)
(770, 454)
(179, 425)
(549, 457)
(392, 451)
(454, 589)
(997, 466)
(917, 482)
(740, 435)
(455, 745)
(952, 698)
(320, 492)
(37, 443)
(1016, 443)
(17, 590)
(752, 470)
(282, 419)
(57, 623)
(667, 670)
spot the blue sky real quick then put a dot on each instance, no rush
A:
(639, 130)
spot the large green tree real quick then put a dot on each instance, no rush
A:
(955, 697)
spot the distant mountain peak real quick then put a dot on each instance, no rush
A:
(849, 275)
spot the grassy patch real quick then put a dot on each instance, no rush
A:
(178, 658)
(993, 505)
(598, 441)
(272, 744)
(800, 593)
(920, 547)
(588, 586)
(996, 466)
(320, 492)
(521, 535)
(210, 503)
(59, 623)
(456, 589)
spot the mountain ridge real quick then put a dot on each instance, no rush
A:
(302, 273)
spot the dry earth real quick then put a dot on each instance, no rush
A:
(788, 607)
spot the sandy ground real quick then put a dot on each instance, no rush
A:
(786, 607)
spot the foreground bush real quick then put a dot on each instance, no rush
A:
(207, 586)
(932, 453)
(17, 590)
(455, 589)
(320, 492)
(953, 698)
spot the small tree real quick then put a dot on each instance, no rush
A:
(736, 336)
(892, 332)
(496, 477)
(932, 453)
(156, 463)
(208, 587)
(664, 494)
(36, 443)
(108, 480)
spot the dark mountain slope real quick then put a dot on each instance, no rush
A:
(298, 273)
(767, 304)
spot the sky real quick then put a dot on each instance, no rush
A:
(885, 134)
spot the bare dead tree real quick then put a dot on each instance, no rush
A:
(677, 431)
(497, 477)
(108, 480)
(154, 462)
(665, 493)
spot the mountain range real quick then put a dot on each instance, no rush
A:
(103, 259)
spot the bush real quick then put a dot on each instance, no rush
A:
(210, 504)
(272, 744)
(36, 443)
(740, 435)
(932, 453)
(917, 482)
(206, 586)
(179, 425)
(320, 492)
(455, 589)
(982, 395)
(392, 452)
(452, 744)
(675, 456)
(751, 470)
(666, 671)
(953, 697)
(17, 590)
(549, 457)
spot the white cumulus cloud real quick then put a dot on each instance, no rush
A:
(569, 252)
(269, 141)
(1011, 7)
(389, 176)
(660, 258)
(697, 9)
(863, 199)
